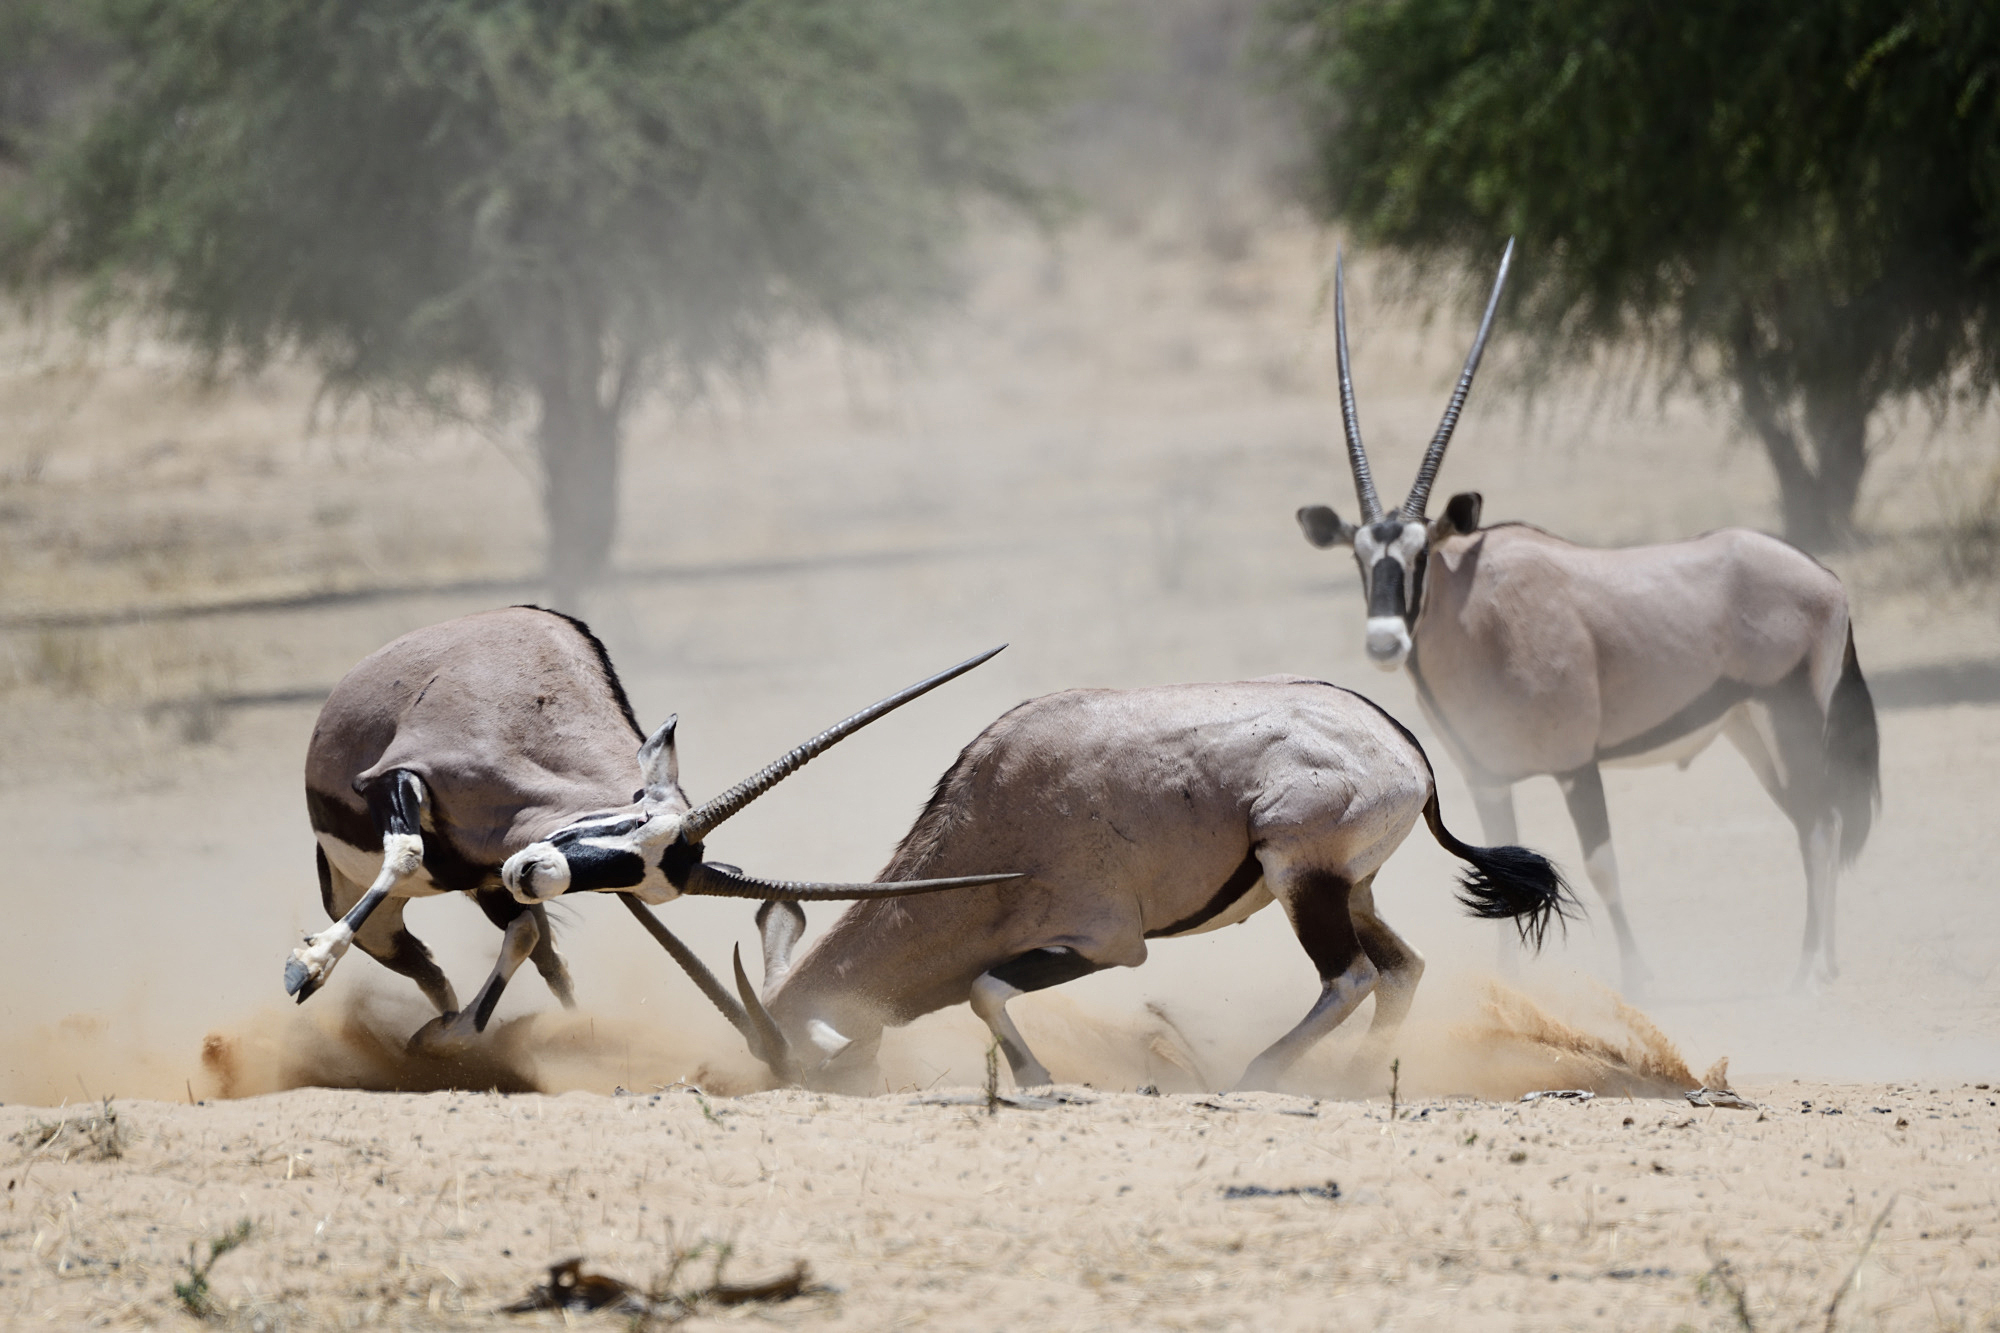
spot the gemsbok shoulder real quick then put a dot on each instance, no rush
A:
(1532, 655)
(1136, 815)
(496, 755)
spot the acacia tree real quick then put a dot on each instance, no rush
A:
(1804, 198)
(557, 203)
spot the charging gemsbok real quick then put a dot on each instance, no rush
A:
(1137, 815)
(1533, 655)
(496, 755)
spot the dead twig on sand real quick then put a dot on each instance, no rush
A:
(993, 1078)
(1395, 1085)
(1723, 1274)
(1847, 1283)
(570, 1288)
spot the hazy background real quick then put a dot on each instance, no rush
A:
(1095, 458)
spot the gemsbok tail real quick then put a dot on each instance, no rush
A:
(1507, 883)
(1853, 754)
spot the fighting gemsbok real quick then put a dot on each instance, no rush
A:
(497, 755)
(1532, 655)
(1137, 815)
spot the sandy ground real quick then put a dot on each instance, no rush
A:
(434, 1211)
(1097, 462)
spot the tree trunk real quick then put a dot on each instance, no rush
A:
(1817, 491)
(578, 439)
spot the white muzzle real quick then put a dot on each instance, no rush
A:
(536, 873)
(1388, 641)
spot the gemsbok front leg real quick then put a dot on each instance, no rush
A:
(1037, 969)
(1583, 789)
(397, 805)
(448, 1033)
(384, 938)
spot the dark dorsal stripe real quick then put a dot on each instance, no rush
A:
(603, 660)
(1706, 707)
(1225, 897)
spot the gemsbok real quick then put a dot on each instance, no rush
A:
(1532, 655)
(1136, 815)
(496, 755)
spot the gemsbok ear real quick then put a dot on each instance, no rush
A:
(1325, 528)
(1460, 516)
(660, 763)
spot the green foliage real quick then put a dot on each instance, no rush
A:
(568, 198)
(193, 1293)
(1811, 191)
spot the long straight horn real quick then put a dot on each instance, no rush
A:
(1420, 494)
(700, 822)
(1357, 457)
(707, 879)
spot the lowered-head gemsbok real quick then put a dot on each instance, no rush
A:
(1534, 655)
(1137, 815)
(496, 755)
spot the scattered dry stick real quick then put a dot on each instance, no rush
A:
(1847, 1284)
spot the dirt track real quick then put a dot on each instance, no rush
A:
(1098, 463)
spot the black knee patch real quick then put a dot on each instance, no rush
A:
(325, 881)
(394, 803)
(1039, 969)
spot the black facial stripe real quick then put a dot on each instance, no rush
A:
(1385, 588)
(597, 828)
(602, 867)
(679, 858)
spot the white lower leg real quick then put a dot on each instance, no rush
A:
(402, 857)
(989, 1000)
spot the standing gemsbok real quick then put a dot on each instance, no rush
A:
(1532, 655)
(1137, 815)
(496, 755)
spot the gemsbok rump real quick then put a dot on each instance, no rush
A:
(1533, 655)
(496, 755)
(1136, 815)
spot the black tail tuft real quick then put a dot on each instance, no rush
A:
(1853, 754)
(1508, 883)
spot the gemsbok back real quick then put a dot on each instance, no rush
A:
(1136, 815)
(1533, 655)
(496, 755)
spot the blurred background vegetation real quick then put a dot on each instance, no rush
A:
(529, 214)
(1802, 201)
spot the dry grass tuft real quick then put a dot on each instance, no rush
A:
(85, 1135)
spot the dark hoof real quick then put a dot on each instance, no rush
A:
(298, 981)
(429, 1042)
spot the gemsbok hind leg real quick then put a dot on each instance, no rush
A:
(1583, 790)
(1399, 968)
(1779, 735)
(384, 938)
(397, 804)
(1037, 969)
(1317, 902)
